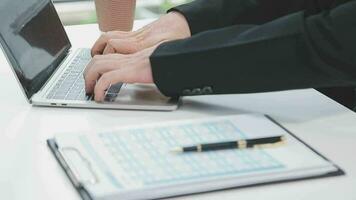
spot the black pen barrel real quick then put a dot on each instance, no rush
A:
(232, 144)
(219, 146)
(269, 140)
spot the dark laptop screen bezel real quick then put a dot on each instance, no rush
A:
(32, 87)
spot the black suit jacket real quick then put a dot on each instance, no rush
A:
(244, 46)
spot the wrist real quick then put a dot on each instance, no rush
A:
(180, 23)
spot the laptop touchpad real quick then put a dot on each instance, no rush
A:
(146, 94)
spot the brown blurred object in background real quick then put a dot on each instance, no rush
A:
(115, 14)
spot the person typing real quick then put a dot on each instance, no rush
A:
(233, 46)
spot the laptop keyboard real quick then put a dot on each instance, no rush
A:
(70, 86)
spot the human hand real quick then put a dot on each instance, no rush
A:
(169, 27)
(109, 69)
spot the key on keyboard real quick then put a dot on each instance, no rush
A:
(70, 86)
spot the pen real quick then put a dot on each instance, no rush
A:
(236, 144)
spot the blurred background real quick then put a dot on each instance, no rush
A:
(74, 12)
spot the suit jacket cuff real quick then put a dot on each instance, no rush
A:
(203, 15)
(161, 76)
(196, 25)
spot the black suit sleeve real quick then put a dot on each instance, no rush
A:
(204, 15)
(295, 51)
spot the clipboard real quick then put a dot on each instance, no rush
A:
(85, 194)
(74, 179)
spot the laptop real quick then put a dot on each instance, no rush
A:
(50, 72)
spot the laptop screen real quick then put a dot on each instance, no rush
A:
(33, 39)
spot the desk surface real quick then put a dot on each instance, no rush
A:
(29, 171)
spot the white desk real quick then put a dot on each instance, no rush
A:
(29, 171)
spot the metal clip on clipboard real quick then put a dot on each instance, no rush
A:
(71, 160)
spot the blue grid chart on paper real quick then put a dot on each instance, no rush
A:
(146, 157)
